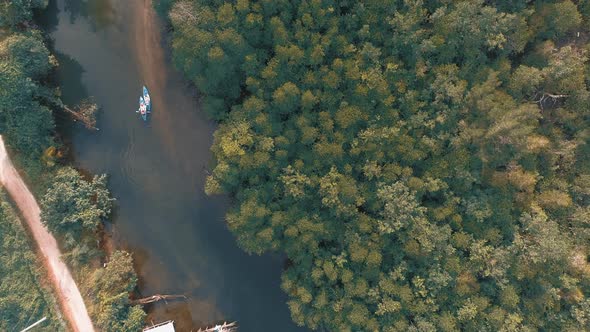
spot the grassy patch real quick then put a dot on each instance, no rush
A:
(23, 299)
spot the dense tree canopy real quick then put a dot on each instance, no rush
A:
(26, 123)
(73, 206)
(13, 12)
(25, 120)
(423, 164)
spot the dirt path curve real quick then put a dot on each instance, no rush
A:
(64, 285)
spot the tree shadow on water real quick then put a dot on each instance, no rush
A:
(98, 13)
(69, 78)
(75, 8)
(48, 17)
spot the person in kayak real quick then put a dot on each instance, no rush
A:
(142, 109)
(146, 98)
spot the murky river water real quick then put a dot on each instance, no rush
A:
(108, 49)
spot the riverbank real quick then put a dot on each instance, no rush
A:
(64, 285)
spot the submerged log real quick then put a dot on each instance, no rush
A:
(157, 297)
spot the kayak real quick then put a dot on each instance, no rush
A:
(147, 99)
(142, 109)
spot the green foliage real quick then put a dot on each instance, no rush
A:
(13, 12)
(109, 290)
(560, 17)
(24, 60)
(73, 209)
(22, 300)
(28, 53)
(422, 163)
(73, 206)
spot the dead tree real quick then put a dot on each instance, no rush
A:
(84, 112)
(549, 98)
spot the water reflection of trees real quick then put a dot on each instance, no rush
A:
(103, 12)
(99, 13)
(47, 18)
(75, 8)
(69, 75)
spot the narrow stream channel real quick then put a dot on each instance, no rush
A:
(107, 49)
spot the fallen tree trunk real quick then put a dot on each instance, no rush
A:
(157, 297)
(85, 113)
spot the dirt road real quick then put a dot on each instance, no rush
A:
(63, 284)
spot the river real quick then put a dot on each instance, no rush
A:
(108, 49)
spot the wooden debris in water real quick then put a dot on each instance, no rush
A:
(157, 297)
(225, 327)
(85, 112)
